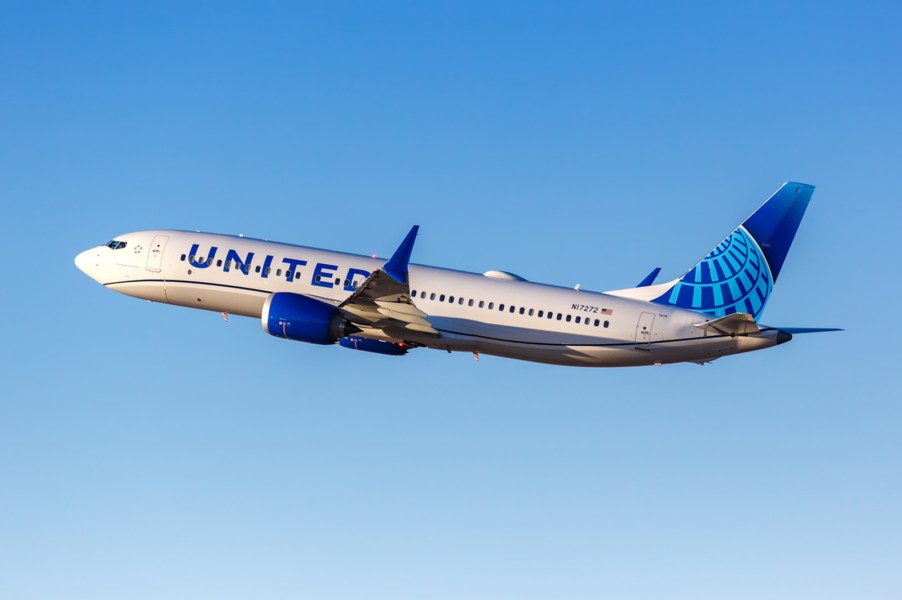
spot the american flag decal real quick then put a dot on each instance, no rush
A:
(607, 311)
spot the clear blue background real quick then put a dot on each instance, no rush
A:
(148, 451)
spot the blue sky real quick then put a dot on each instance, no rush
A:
(148, 451)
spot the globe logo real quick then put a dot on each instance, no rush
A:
(734, 277)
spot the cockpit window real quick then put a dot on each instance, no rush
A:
(117, 245)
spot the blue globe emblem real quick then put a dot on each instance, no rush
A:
(734, 277)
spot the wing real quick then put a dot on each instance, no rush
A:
(382, 307)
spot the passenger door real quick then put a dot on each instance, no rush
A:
(155, 256)
(643, 330)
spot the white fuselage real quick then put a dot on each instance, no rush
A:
(497, 315)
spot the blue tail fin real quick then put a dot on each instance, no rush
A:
(739, 274)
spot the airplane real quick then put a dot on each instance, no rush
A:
(392, 306)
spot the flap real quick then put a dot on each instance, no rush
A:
(382, 307)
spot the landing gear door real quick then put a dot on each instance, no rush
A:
(643, 331)
(155, 256)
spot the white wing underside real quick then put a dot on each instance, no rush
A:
(382, 308)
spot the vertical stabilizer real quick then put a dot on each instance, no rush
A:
(739, 274)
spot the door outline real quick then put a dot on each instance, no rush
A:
(155, 254)
(643, 330)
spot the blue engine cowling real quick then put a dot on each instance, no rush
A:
(355, 342)
(296, 317)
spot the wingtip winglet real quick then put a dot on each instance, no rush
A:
(650, 278)
(397, 265)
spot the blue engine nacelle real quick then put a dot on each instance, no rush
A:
(355, 342)
(296, 317)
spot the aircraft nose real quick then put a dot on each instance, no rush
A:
(87, 262)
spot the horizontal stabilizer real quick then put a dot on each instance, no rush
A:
(733, 324)
(795, 330)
